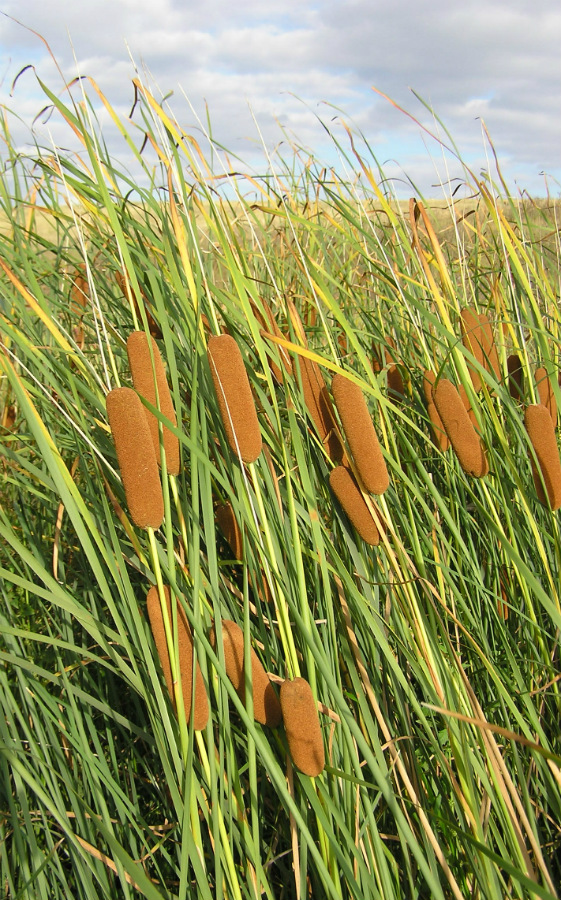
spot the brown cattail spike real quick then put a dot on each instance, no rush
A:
(230, 529)
(545, 393)
(235, 400)
(463, 437)
(301, 723)
(438, 432)
(269, 324)
(136, 457)
(185, 653)
(142, 372)
(515, 377)
(349, 496)
(360, 433)
(539, 425)
(477, 337)
(266, 706)
(318, 403)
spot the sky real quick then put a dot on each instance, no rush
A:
(271, 73)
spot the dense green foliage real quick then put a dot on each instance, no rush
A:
(434, 656)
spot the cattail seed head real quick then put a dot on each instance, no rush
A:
(229, 527)
(136, 457)
(185, 653)
(269, 324)
(360, 433)
(142, 373)
(463, 437)
(477, 337)
(302, 727)
(515, 377)
(438, 432)
(541, 431)
(318, 403)
(235, 400)
(350, 497)
(266, 706)
(545, 393)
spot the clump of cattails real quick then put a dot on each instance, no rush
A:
(438, 431)
(541, 431)
(185, 656)
(302, 727)
(235, 399)
(351, 499)
(463, 436)
(156, 391)
(136, 457)
(127, 290)
(545, 392)
(477, 337)
(230, 528)
(515, 377)
(361, 435)
(266, 706)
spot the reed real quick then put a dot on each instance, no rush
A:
(199, 708)
(545, 393)
(350, 497)
(136, 457)
(541, 431)
(463, 437)
(235, 399)
(439, 435)
(266, 706)
(229, 527)
(156, 391)
(302, 727)
(361, 435)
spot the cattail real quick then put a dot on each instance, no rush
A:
(396, 386)
(439, 434)
(230, 529)
(153, 326)
(269, 324)
(467, 405)
(541, 431)
(142, 373)
(477, 337)
(360, 434)
(301, 724)
(79, 296)
(349, 496)
(185, 654)
(319, 407)
(297, 325)
(266, 706)
(515, 377)
(463, 437)
(235, 400)
(136, 457)
(545, 393)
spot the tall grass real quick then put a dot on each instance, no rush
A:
(433, 657)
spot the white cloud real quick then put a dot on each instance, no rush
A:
(490, 59)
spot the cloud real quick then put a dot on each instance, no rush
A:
(287, 61)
